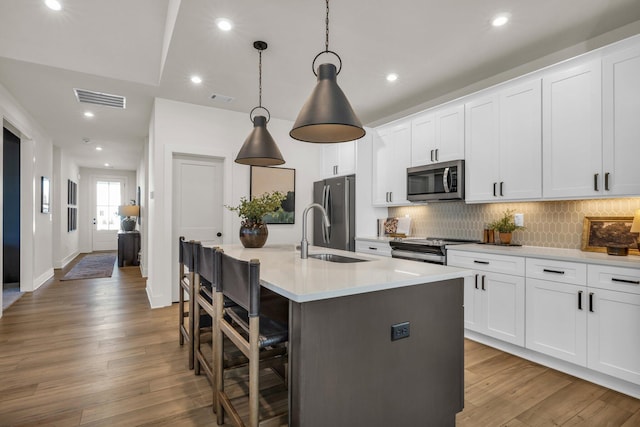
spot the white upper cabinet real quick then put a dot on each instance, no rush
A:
(391, 158)
(438, 135)
(482, 149)
(503, 148)
(339, 159)
(572, 131)
(621, 122)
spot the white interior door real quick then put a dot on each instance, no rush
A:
(197, 203)
(108, 194)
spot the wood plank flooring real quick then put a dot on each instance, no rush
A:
(92, 353)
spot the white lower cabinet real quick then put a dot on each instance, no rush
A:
(585, 314)
(493, 301)
(373, 247)
(557, 320)
(613, 326)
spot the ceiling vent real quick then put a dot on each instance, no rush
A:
(99, 98)
(222, 98)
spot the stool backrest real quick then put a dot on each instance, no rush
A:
(208, 264)
(241, 282)
(186, 253)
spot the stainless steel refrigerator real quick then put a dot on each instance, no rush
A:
(338, 197)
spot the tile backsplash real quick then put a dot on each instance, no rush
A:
(551, 224)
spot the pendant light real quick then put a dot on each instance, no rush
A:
(259, 149)
(327, 116)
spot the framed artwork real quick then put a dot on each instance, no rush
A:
(600, 231)
(267, 179)
(45, 195)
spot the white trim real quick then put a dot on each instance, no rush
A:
(65, 261)
(40, 280)
(155, 302)
(559, 365)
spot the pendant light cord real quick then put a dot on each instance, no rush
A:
(260, 80)
(326, 42)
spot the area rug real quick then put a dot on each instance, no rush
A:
(91, 267)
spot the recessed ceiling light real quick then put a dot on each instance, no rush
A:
(98, 148)
(107, 165)
(53, 4)
(224, 24)
(88, 114)
(196, 80)
(500, 20)
(392, 77)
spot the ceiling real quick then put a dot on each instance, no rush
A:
(143, 49)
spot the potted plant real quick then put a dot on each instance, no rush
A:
(505, 226)
(253, 231)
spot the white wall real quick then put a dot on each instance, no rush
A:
(36, 161)
(65, 243)
(86, 197)
(190, 129)
(142, 178)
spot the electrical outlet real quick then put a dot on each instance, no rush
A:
(519, 219)
(399, 331)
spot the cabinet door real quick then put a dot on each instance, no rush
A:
(423, 139)
(621, 124)
(613, 330)
(504, 306)
(572, 134)
(450, 133)
(482, 149)
(556, 320)
(391, 158)
(521, 142)
(382, 150)
(339, 159)
(330, 160)
(473, 305)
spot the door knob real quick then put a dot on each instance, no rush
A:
(219, 234)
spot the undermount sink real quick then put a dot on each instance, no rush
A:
(336, 258)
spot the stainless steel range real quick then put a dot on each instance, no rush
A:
(430, 249)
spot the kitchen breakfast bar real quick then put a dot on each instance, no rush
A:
(344, 367)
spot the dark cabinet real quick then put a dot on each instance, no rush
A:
(128, 247)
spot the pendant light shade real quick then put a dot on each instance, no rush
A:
(327, 115)
(260, 149)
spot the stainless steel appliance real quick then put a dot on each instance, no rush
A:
(436, 182)
(430, 249)
(338, 197)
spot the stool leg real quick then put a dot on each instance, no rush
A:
(254, 368)
(192, 313)
(218, 349)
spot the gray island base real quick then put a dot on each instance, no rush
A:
(346, 371)
(344, 367)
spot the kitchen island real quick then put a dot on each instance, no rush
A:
(344, 367)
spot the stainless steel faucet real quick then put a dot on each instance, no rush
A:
(304, 244)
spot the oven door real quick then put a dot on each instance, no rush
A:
(418, 256)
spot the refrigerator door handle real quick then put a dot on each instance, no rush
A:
(327, 208)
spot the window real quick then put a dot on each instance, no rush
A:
(108, 198)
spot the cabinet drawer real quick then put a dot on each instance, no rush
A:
(376, 248)
(614, 278)
(487, 262)
(573, 273)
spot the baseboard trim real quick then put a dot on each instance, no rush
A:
(66, 260)
(557, 364)
(155, 301)
(40, 280)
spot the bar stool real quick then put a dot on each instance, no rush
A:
(258, 337)
(186, 268)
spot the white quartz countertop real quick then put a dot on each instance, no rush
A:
(573, 255)
(305, 280)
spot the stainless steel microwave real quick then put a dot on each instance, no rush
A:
(436, 182)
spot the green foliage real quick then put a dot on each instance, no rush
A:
(252, 211)
(506, 223)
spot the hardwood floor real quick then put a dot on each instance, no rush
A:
(92, 353)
